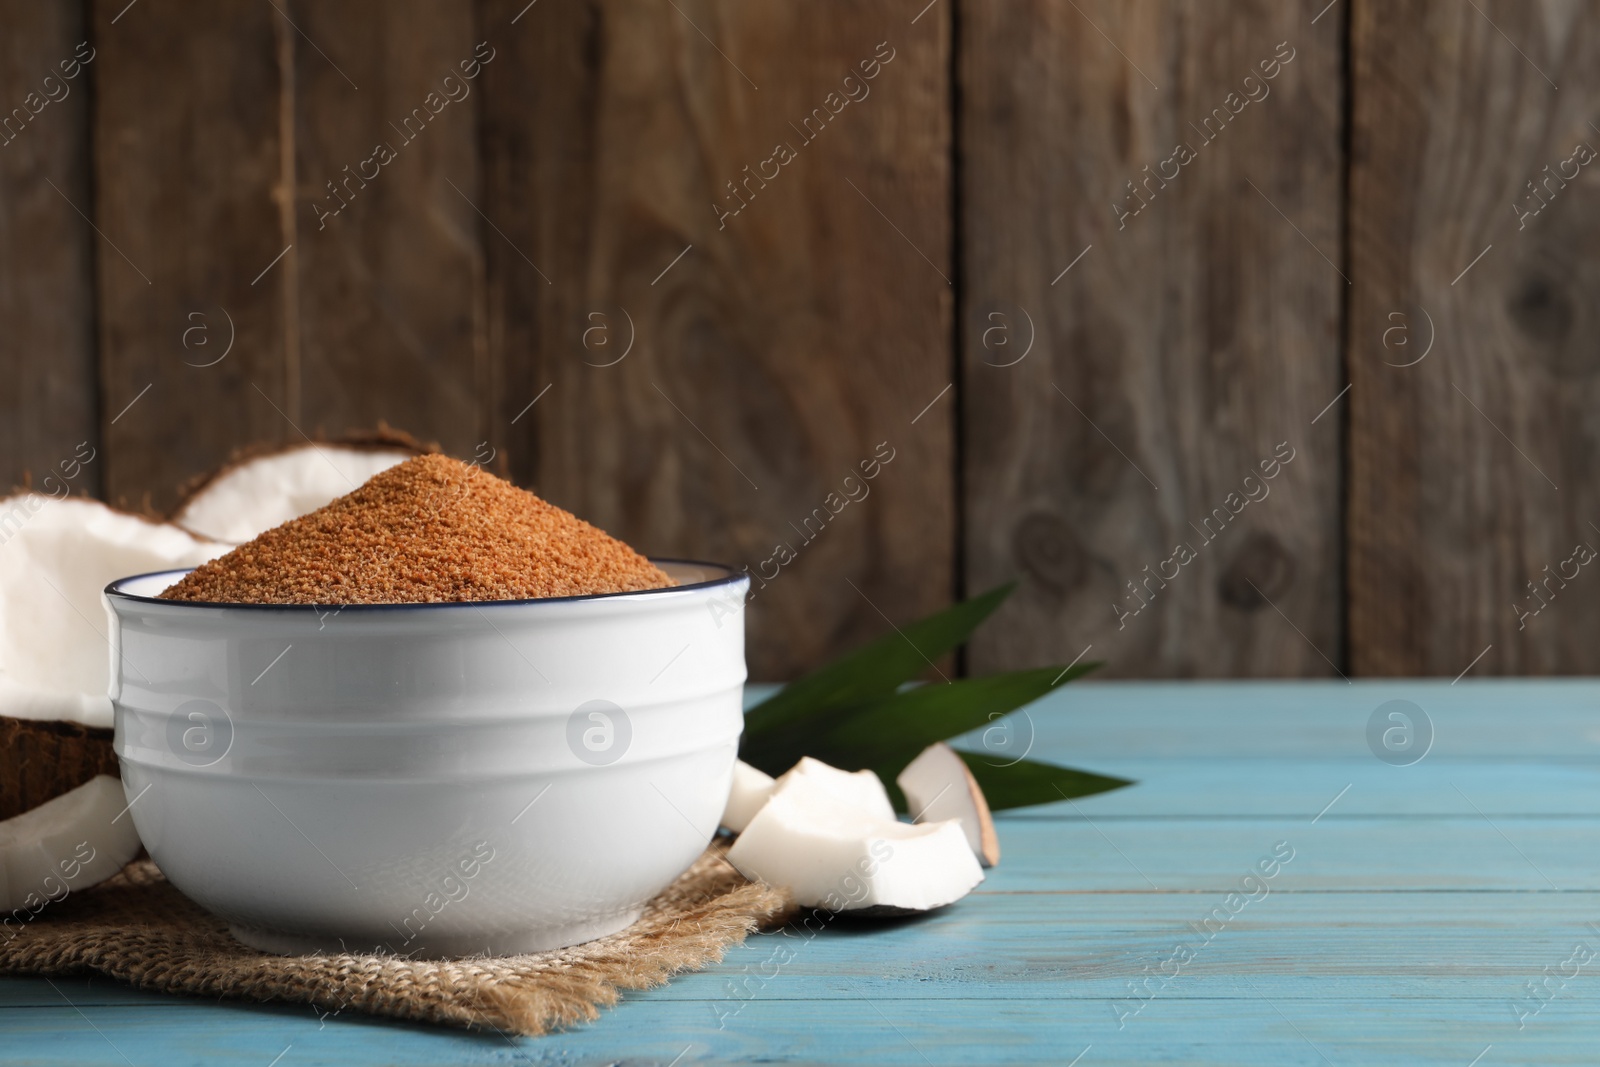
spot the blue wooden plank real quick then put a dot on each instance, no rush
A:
(184, 1032)
(1090, 854)
(1541, 719)
(1275, 787)
(1257, 1028)
(1499, 718)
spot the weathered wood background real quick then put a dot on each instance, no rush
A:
(1086, 270)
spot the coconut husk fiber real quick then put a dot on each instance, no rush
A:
(137, 928)
(40, 760)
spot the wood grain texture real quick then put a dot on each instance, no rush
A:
(532, 232)
(387, 254)
(187, 149)
(48, 403)
(1196, 336)
(784, 347)
(1404, 929)
(1471, 470)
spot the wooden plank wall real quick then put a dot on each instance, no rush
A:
(1472, 482)
(49, 400)
(769, 228)
(1088, 271)
(185, 171)
(1152, 194)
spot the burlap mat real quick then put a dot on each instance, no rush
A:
(138, 928)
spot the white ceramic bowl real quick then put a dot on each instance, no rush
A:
(429, 779)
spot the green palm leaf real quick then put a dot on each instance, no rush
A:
(858, 713)
(1017, 785)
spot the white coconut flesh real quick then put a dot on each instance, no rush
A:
(750, 790)
(861, 790)
(56, 556)
(67, 844)
(258, 494)
(938, 786)
(830, 853)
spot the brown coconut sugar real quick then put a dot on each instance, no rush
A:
(431, 529)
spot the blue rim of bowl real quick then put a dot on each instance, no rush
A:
(732, 577)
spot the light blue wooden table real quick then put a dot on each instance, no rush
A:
(1443, 912)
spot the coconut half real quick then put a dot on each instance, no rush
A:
(56, 556)
(75, 841)
(257, 491)
(829, 852)
(938, 786)
(749, 791)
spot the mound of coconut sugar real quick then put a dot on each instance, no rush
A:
(431, 529)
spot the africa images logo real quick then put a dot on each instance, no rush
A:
(599, 732)
(1399, 733)
(200, 732)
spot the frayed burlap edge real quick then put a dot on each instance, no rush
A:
(138, 928)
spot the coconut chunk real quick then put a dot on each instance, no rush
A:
(252, 496)
(862, 790)
(56, 556)
(750, 790)
(828, 854)
(833, 843)
(938, 786)
(70, 843)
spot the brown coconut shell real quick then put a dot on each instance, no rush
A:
(40, 760)
(381, 439)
